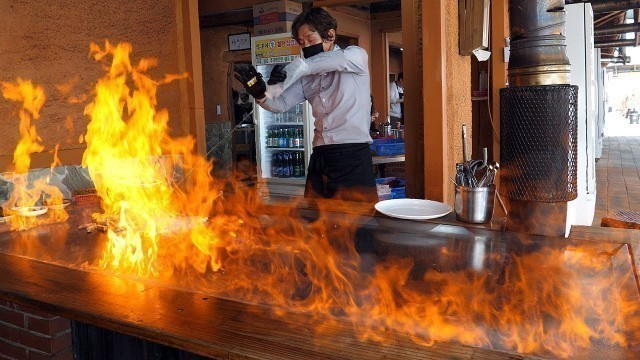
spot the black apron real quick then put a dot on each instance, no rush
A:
(343, 172)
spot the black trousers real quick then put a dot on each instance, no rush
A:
(343, 172)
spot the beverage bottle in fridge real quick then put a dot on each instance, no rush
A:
(300, 138)
(299, 113)
(278, 157)
(291, 135)
(285, 137)
(296, 138)
(285, 165)
(291, 163)
(281, 138)
(274, 165)
(296, 166)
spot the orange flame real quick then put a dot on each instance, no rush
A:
(25, 195)
(32, 98)
(136, 166)
(157, 193)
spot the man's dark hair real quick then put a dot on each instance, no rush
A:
(317, 19)
(399, 77)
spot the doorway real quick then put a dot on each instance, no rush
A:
(243, 146)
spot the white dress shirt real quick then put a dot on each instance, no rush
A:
(338, 89)
(395, 109)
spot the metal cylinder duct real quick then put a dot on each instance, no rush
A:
(539, 121)
(538, 45)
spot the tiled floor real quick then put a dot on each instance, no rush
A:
(618, 177)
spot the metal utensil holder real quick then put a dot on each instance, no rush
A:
(474, 205)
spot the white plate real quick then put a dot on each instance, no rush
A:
(65, 203)
(4, 219)
(413, 209)
(30, 210)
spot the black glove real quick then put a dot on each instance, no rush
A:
(278, 75)
(252, 81)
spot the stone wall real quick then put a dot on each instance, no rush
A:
(48, 42)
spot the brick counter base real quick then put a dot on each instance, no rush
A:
(27, 333)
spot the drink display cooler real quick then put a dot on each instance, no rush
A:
(283, 140)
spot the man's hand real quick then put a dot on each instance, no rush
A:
(278, 75)
(252, 81)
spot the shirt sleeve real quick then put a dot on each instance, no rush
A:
(352, 59)
(289, 98)
(393, 93)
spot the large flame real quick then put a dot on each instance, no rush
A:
(27, 193)
(139, 171)
(157, 195)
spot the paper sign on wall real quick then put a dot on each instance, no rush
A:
(239, 41)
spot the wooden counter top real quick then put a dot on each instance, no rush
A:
(211, 326)
(202, 324)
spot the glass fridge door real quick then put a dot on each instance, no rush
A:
(282, 140)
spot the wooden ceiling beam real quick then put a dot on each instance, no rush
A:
(335, 3)
(386, 15)
(365, 15)
(206, 7)
(352, 12)
(606, 18)
(239, 17)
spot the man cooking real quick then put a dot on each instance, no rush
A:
(337, 86)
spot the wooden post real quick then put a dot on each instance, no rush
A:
(434, 84)
(190, 61)
(413, 105)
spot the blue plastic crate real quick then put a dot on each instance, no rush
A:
(398, 193)
(397, 188)
(390, 149)
(387, 147)
(391, 181)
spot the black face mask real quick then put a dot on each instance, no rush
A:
(312, 50)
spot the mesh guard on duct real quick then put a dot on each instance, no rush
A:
(539, 143)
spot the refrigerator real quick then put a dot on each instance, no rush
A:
(584, 74)
(283, 140)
